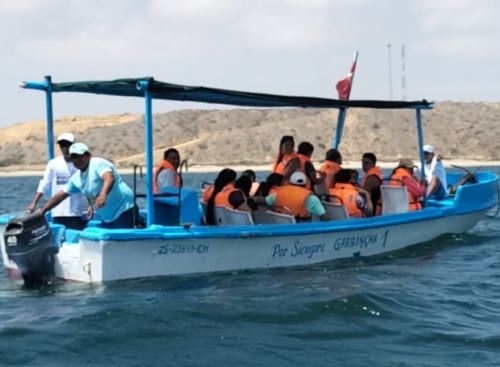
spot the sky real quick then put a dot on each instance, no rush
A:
(295, 47)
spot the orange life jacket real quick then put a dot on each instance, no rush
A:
(330, 169)
(164, 164)
(222, 197)
(375, 196)
(348, 193)
(396, 179)
(293, 197)
(374, 171)
(280, 167)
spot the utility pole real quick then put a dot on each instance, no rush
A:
(390, 69)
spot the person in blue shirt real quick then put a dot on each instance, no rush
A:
(98, 180)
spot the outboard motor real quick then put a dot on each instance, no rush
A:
(28, 242)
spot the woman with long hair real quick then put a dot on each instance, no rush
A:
(274, 179)
(285, 154)
(240, 198)
(225, 177)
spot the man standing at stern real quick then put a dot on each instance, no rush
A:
(57, 173)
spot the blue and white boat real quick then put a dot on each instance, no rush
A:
(174, 241)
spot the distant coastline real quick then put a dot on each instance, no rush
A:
(465, 132)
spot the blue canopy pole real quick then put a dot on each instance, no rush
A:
(49, 131)
(340, 127)
(148, 144)
(420, 137)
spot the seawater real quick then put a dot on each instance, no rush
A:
(437, 304)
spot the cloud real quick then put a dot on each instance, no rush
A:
(290, 31)
(293, 25)
(207, 9)
(14, 7)
(462, 16)
(463, 28)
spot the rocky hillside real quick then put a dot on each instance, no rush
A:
(251, 136)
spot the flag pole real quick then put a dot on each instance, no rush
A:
(353, 70)
(343, 110)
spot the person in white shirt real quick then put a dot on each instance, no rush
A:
(57, 173)
(435, 174)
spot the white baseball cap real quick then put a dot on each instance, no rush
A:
(78, 149)
(66, 137)
(428, 148)
(298, 178)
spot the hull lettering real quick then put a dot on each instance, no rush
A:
(181, 249)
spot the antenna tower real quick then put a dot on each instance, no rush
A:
(403, 70)
(390, 69)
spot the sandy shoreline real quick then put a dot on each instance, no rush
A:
(265, 167)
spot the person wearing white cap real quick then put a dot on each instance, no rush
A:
(435, 174)
(97, 179)
(301, 202)
(57, 173)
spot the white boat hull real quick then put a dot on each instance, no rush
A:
(98, 261)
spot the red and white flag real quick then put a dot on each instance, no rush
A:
(344, 85)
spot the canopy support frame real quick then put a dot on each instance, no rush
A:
(420, 143)
(143, 85)
(49, 131)
(340, 127)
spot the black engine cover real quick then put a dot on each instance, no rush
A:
(28, 242)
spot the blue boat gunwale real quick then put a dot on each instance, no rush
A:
(258, 230)
(462, 203)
